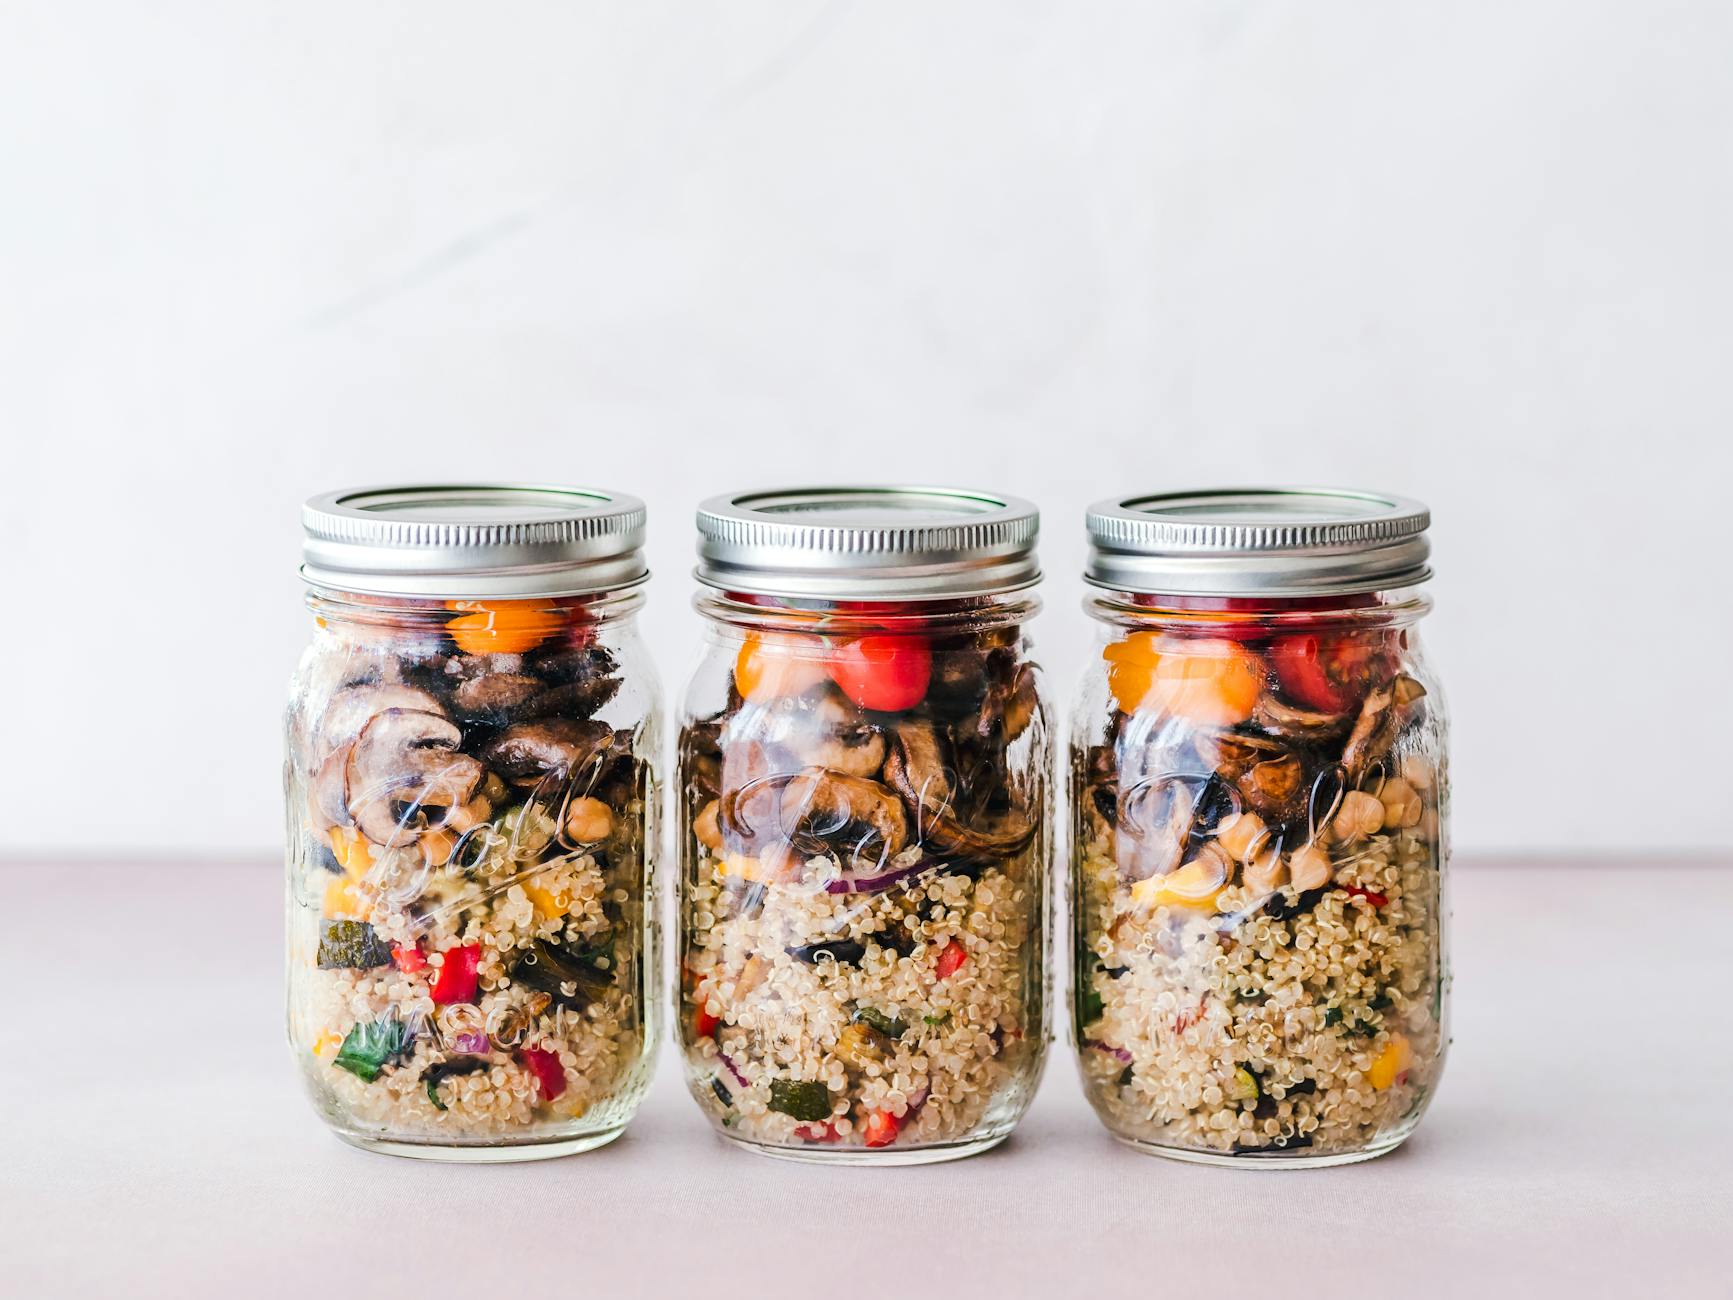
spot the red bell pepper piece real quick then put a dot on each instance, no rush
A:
(951, 960)
(881, 1128)
(457, 978)
(550, 1074)
(408, 960)
(818, 1132)
(1370, 895)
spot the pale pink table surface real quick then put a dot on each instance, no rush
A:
(156, 1142)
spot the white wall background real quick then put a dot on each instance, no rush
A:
(1477, 252)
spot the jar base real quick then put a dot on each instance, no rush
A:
(1275, 1160)
(887, 1157)
(551, 1149)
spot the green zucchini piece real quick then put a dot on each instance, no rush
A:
(805, 1101)
(351, 945)
(370, 1047)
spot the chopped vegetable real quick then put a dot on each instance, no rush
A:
(875, 1019)
(1332, 1016)
(704, 1025)
(881, 1128)
(1197, 884)
(1371, 896)
(409, 960)
(371, 1046)
(845, 952)
(351, 944)
(436, 1074)
(819, 1132)
(1244, 1086)
(886, 674)
(572, 977)
(800, 1099)
(721, 1090)
(549, 1074)
(938, 1020)
(951, 959)
(459, 976)
(1391, 1065)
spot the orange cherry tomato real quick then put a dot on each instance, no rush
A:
(770, 666)
(501, 627)
(1208, 681)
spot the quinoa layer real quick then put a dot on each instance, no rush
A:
(914, 1014)
(588, 1050)
(1270, 1024)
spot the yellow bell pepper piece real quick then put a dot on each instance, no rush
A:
(741, 867)
(1392, 1062)
(341, 900)
(550, 903)
(325, 1044)
(351, 850)
(1196, 884)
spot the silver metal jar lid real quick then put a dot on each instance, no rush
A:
(473, 539)
(908, 543)
(1258, 541)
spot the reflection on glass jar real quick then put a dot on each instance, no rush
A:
(864, 898)
(1259, 799)
(471, 823)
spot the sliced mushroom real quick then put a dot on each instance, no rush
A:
(916, 769)
(1008, 707)
(353, 707)
(1275, 788)
(404, 765)
(581, 680)
(495, 697)
(1374, 732)
(821, 809)
(1291, 722)
(527, 753)
(819, 729)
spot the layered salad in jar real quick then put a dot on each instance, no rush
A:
(864, 894)
(468, 874)
(1257, 804)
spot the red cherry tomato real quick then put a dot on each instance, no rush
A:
(886, 674)
(1324, 671)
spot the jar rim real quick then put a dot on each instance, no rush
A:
(885, 541)
(1258, 541)
(473, 540)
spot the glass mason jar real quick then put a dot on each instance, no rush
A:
(864, 778)
(472, 821)
(1259, 803)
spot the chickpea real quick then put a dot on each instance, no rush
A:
(470, 815)
(1309, 867)
(1419, 772)
(1361, 814)
(1240, 835)
(588, 821)
(1402, 806)
(1266, 873)
(708, 828)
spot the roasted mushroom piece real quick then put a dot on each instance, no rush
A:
(1289, 721)
(528, 753)
(917, 769)
(816, 811)
(495, 698)
(580, 679)
(404, 765)
(819, 729)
